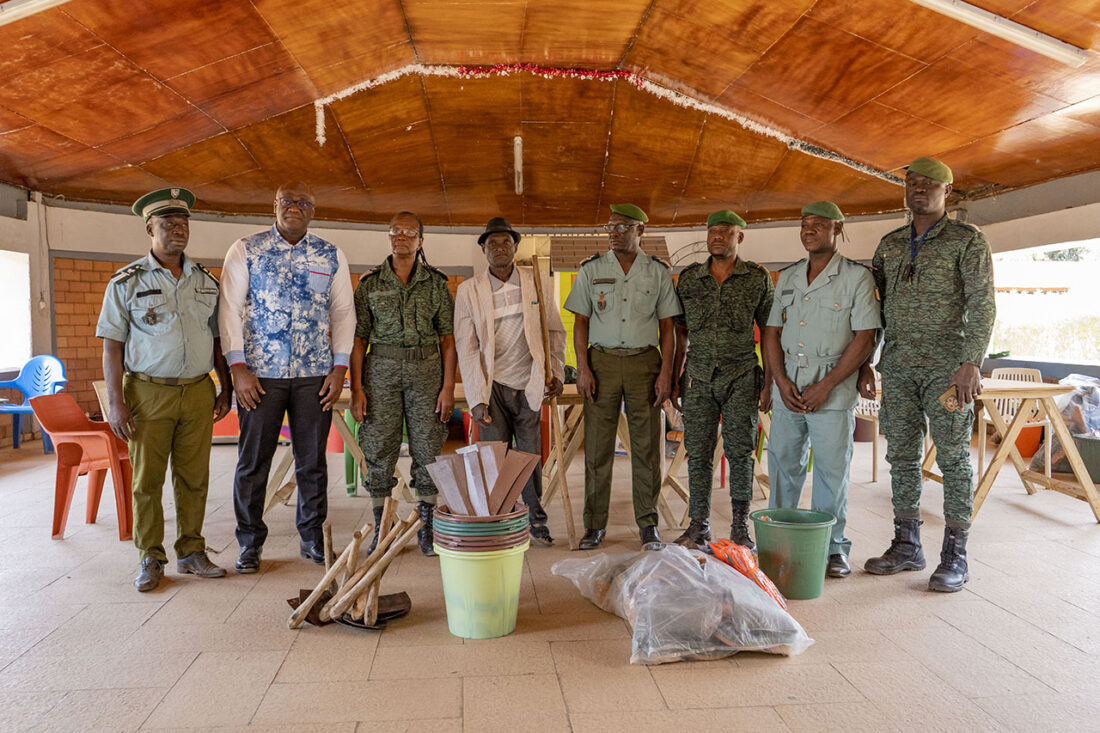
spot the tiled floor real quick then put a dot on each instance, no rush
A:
(80, 649)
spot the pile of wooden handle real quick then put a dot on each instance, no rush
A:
(357, 583)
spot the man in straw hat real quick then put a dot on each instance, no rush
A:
(159, 326)
(722, 297)
(822, 328)
(935, 281)
(624, 303)
(498, 335)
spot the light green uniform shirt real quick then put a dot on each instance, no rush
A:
(820, 319)
(623, 308)
(168, 325)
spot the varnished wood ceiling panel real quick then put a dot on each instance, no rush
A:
(101, 102)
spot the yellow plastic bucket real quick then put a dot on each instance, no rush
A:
(481, 590)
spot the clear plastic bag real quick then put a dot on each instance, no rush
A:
(684, 605)
(1080, 410)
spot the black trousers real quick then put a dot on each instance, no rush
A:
(309, 425)
(513, 419)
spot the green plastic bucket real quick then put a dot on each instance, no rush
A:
(793, 546)
(481, 590)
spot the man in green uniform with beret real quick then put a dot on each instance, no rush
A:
(823, 326)
(722, 298)
(405, 315)
(624, 304)
(935, 282)
(159, 326)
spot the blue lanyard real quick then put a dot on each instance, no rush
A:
(914, 244)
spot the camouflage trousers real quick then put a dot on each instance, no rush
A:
(401, 394)
(734, 399)
(908, 397)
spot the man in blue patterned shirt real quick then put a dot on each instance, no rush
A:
(287, 321)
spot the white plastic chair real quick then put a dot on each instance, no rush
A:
(868, 410)
(1008, 408)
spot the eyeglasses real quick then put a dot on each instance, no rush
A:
(407, 233)
(618, 228)
(302, 204)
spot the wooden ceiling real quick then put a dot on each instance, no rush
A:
(106, 99)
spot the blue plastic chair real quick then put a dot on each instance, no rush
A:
(41, 375)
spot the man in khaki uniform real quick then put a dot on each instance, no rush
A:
(159, 326)
(624, 303)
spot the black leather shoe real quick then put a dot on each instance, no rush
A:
(313, 550)
(425, 536)
(696, 536)
(739, 527)
(249, 560)
(198, 563)
(540, 535)
(377, 527)
(592, 539)
(650, 535)
(152, 571)
(953, 571)
(838, 566)
(905, 551)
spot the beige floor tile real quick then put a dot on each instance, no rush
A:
(34, 671)
(465, 660)
(750, 719)
(833, 646)
(851, 717)
(964, 664)
(490, 703)
(946, 713)
(21, 710)
(589, 669)
(229, 684)
(448, 725)
(100, 628)
(102, 710)
(1048, 711)
(346, 727)
(329, 654)
(595, 625)
(391, 700)
(208, 638)
(693, 685)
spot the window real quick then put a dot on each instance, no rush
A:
(1047, 303)
(15, 310)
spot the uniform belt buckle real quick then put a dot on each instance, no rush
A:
(803, 362)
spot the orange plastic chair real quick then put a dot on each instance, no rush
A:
(85, 447)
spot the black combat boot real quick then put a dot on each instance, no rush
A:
(424, 536)
(377, 527)
(696, 536)
(904, 553)
(952, 572)
(739, 528)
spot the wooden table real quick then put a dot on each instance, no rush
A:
(1032, 396)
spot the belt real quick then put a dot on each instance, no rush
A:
(805, 361)
(167, 381)
(405, 353)
(622, 352)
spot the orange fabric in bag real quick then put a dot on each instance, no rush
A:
(744, 561)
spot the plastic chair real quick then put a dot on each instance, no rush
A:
(1009, 407)
(41, 375)
(85, 447)
(867, 410)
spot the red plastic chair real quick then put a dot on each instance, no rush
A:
(85, 447)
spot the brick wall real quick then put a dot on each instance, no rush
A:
(567, 253)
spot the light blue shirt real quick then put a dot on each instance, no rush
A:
(167, 325)
(819, 320)
(623, 307)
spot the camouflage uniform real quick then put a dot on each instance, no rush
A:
(938, 321)
(723, 376)
(403, 372)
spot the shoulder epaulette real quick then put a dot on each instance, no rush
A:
(965, 225)
(126, 273)
(659, 261)
(206, 272)
(785, 267)
(856, 263)
(433, 269)
(591, 259)
(373, 271)
(892, 231)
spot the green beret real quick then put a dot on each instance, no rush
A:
(725, 216)
(631, 211)
(931, 168)
(165, 202)
(826, 209)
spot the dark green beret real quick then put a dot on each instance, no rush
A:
(826, 209)
(164, 202)
(931, 168)
(725, 216)
(631, 211)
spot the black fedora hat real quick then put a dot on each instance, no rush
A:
(495, 225)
